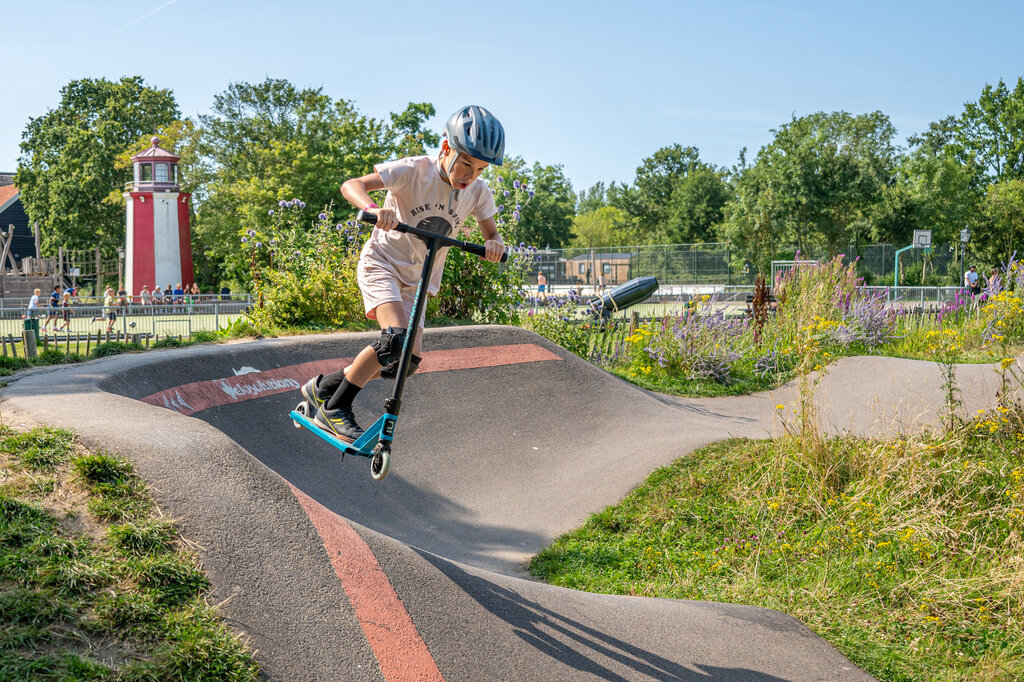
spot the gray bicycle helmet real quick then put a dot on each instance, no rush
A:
(474, 131)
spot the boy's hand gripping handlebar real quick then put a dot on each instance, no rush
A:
(469, 247)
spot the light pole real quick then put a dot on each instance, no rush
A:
(965, 236)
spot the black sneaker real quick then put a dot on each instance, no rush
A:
(340, 423)
(310, 391)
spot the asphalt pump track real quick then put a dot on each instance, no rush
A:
(504, 442)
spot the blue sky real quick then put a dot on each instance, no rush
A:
(595, 86)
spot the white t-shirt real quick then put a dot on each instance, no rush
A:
(33, 302)
(421, 198)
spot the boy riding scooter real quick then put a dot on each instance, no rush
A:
(433, 195)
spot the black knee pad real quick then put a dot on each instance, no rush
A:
(389, 345)
(391, 371)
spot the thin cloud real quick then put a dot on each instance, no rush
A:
(145, 16)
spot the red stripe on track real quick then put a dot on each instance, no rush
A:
(396, 643)
(202, 395)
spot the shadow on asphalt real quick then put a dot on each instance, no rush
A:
(575, 644)
(400, 508)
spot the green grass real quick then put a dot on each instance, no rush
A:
(743, 383)
(907, 554)
(128, 590)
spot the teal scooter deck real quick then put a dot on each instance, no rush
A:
(373, 444)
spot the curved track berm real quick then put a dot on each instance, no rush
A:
(504, 442)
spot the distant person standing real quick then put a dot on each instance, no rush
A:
(600, 283)
(33, 305)
(972, 281)
(542, 286)
(109, 308)
(65, 311)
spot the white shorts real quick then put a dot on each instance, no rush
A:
(379, 285)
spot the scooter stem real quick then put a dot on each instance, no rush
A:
(394, 403)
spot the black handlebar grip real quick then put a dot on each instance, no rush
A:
(469, 247)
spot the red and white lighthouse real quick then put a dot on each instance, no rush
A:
(159, 240)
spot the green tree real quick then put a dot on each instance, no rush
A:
(998, 238)
(816, 184)
(546, 217)
(991, 131)
(597, 228)
(67, 170)
(270, 142)
(592, 199)
(648, 201)
(696, 207)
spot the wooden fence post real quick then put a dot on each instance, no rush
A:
(28, 337)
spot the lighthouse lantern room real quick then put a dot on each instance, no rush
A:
(159, 239)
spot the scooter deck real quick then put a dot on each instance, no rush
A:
(346, 448)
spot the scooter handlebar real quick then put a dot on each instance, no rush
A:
(468, 247)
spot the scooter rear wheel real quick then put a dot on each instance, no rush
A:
(303, 409)
(380, 463)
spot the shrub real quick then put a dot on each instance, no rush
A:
(304, 275)
(103, 350)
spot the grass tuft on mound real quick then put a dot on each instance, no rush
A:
(123, 601)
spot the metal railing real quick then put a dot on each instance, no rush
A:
(44, 298)
(163, 320)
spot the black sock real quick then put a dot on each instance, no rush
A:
(329, 384)
(344, 396)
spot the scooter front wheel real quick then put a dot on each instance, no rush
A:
(303, 409)
(380, 463)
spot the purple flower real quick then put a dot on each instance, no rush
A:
(270, 212)
(296, 253)
(282, 203)
(516, 184)
(245, 239)
(500, 179)
(287, 204)
(322, 216)
(531, 193)
(339, 226)
(506, 193)
(518, 207)
(501, 207)
(252, 233)
(302, 204)
(515, 215)
(259, 245)
(273, 242)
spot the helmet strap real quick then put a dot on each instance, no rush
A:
(446, 172)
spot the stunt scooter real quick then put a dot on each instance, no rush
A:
(375, 443)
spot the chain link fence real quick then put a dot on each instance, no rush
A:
(713, 264)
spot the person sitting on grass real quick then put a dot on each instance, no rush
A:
(436, 195)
